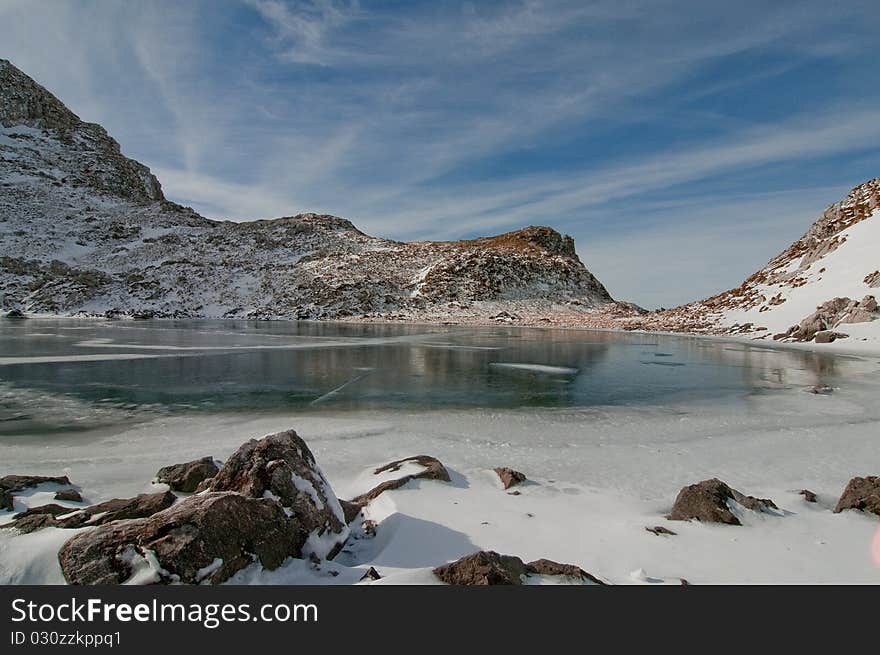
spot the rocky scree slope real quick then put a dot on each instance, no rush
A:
(83, 229)
(821, 288)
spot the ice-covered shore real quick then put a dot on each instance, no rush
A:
(597, 478)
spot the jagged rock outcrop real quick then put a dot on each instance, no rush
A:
(85, 229)
(831, 314)
(203, 539)
(281, 467)
(831, 264)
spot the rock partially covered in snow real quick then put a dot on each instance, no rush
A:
(140, 506)
(861, 493)
(709, 501)
(202, 539)
(10, 484)
(432, 469)
(13, 483)
(509, 477)
(837, 311)
(281, 467)
(187, 477)
(117, 509)
(487, 567)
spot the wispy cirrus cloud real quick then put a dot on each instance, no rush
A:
(440, 120)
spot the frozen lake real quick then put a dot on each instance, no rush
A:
(62, 375)
(607, 427)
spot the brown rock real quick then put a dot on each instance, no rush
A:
(483, 568)
(434, 470)
(820, 389)
(281, 466)
(873, 279)
(371, 574)
(549, 567)
(117, 509)
(509, 477)
(862, 494)
(487, 567)
(808, 495)
(13, 483)
(70, 495)
(187, 477)
(37, 518)
(185, 543)
(708, 501)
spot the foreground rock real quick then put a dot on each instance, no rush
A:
(37, 518)
(10, 484)
(432, 470)
(281, 467)
(187, 477)
(509, 477)
(709, 501)
(862, 494)
(487, 567)
(202, 539)
(116, 509)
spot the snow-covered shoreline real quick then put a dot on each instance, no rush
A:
(597, 478)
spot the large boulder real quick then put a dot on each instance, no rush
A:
(487, 567)
(431, 469)
(187, 477)
(281, 467)
(862, 494)
(202, 539)
(709, 501)
(5, 500)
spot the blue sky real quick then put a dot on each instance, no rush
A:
(682, 144)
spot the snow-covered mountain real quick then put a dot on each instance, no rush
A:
(822, 288)
(85, 229)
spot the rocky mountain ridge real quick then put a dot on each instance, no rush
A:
(87, 230)
(824, 281)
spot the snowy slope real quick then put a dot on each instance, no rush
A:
(85, 229)
(826, 282)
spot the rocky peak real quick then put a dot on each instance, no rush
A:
(533, 237)
(24, 102)
(83, 151)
